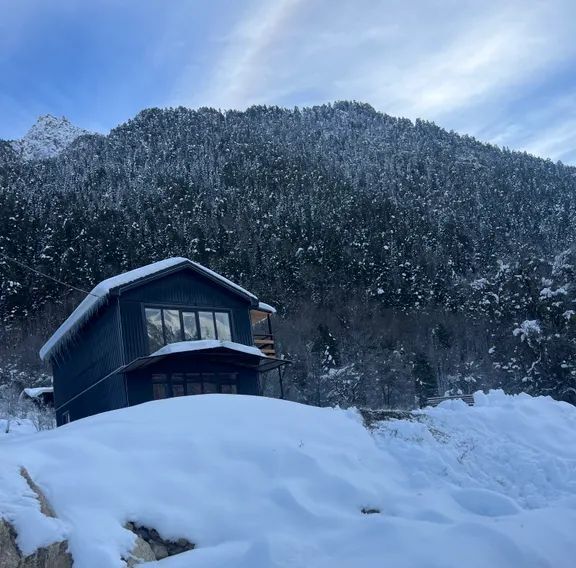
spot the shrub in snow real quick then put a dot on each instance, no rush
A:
(21, 414)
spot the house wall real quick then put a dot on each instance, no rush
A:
(185, 288)
(105, 395)
(95, 352)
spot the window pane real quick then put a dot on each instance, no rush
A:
(160, 390)
(178, 389)
(210, 388)
(223, 326)
(207, 330)
(228, 388)
(190, 329)
(193, 383)
(172, 326)
(193, 388)
(154, 327)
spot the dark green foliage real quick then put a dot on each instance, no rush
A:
(426, 381)
(398, 238)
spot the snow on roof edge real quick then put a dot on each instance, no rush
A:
(262, 306)
(202, 344)
(34, 392)
(98, 296)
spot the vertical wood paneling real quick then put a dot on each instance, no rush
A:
(95, 352)
(106, 395)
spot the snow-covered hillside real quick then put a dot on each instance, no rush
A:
(47, 138)
(262, 483)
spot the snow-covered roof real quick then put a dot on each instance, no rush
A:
(266, 308)
(204, 344)
(36, 392)
(98, 296)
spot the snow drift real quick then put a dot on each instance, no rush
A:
(261, 483)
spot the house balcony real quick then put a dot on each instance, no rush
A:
(262, 329)
(265, 342)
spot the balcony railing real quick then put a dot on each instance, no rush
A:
(265, 342)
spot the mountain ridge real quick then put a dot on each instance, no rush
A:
(405, 243)
(47, 138)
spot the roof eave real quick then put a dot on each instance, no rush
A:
(176, 268)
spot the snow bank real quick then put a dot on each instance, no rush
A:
(262, 483)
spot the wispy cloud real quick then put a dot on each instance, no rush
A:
(242, 75)
(502, 70)
(462, 64)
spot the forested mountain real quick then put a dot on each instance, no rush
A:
(401, 256)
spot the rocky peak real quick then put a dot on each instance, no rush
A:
(47, 138)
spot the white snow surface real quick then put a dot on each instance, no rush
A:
(48, 137)
(263, 483)
(188, 346)
(99, 294)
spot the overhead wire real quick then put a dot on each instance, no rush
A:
(35, 271)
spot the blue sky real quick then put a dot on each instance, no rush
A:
(503, 71)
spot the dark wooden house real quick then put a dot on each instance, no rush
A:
(172, 328)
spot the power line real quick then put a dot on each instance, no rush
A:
(21, 264)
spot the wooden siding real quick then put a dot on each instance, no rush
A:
(93, 354)
(108, 394)
(180, 289)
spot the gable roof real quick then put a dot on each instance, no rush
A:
(99, 295)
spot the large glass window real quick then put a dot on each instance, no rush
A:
(170, 325)
(189, 325)
(154, 327)
(172, 328)
(223, 326)
(207, 327)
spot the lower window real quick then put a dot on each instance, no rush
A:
(182, 384)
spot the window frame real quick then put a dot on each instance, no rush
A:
(189, 309)
(219, 379)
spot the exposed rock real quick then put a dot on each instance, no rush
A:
(152, 546)
(45, 507)
(9, 553)
(140, 553)
(160, 551)
(54, 556)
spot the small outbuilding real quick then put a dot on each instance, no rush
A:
(41, 396)
(171, 328)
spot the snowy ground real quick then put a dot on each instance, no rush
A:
(261, 483)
